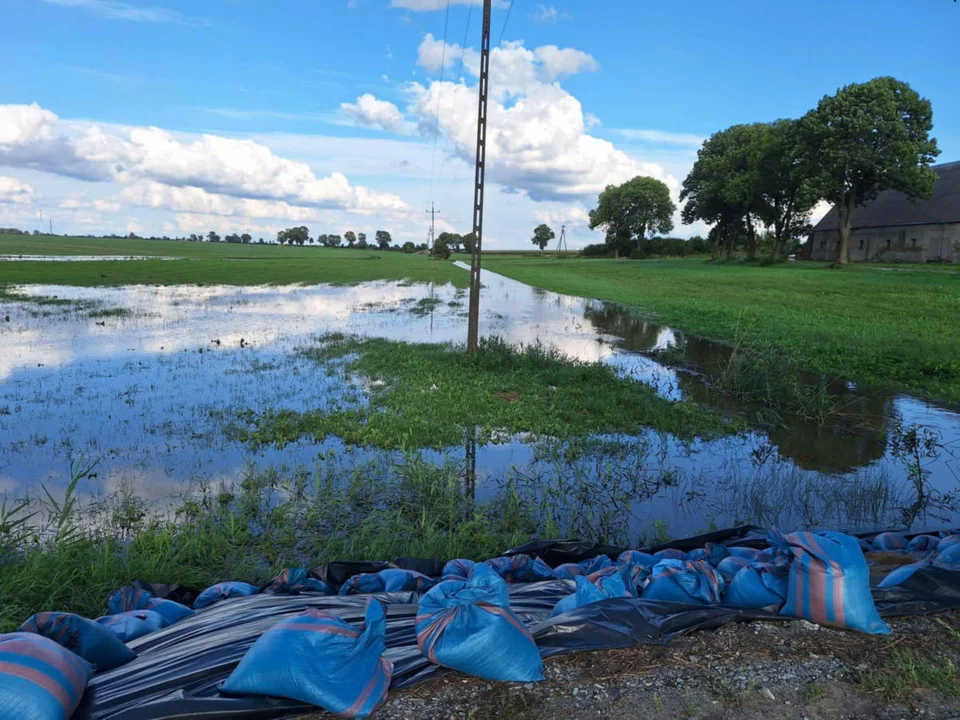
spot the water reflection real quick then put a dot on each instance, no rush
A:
(150, 392)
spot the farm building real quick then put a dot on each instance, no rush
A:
(893, 228)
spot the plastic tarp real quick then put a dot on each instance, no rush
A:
(178, 669)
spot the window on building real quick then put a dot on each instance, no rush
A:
(889, 243)
(861, 244)
(913, 242)
(823, 244)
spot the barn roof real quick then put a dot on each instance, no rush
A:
(892, 208)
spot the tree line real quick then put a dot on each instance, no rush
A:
(757, 184)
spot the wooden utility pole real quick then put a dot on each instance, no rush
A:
(473, 323)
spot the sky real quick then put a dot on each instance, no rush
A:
(169, 117)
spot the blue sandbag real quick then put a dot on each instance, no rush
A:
(468, 626)
(569, 571)
(948, 541)
(757, 587)
(171, 611)
(91, 641)
(889, 541)
(389, 580)
(294, 581)
(224, 591)
(948, 558)
(458, 569)
(39, 679)
(712, 553)
(670, 554)
(692, 582)
(520, 568)
(732, 564)
(829, 581)
(750, 553)
(901, 574)
(128, 598)
(131, 625)
(318, 658)
(923, 543)
(636, 557)
(599, 586)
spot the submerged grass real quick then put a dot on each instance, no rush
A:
(876, 326)
(435, 396)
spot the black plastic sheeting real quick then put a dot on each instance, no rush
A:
(178, 669)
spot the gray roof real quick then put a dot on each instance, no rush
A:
(892, 208)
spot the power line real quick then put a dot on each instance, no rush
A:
(436, 129)
(463, 51)
(506, 20)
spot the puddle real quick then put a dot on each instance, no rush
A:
(80, 258)
(148, 391)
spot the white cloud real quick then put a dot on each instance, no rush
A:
(661, 137)
(372, 112)
(116, 10)
(198, 201)
(546, 14)
(537, 138)
(15, 192)
(556, 62)
(32, 137)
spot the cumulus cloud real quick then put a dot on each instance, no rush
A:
(33, 137)
(197, 201)
(537, 140)
(373, 112)
(14, 192)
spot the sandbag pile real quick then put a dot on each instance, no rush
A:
(464, 620)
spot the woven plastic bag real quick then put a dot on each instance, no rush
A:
(520, 568)
(468, 626)
(133, 624)
(83, 637)
(829, 581)
(693, 582)
(763, 585)
(293, 581)
(389, 580)
(607, 583)
(568, 571)
(319, 659)
(224, 591)
(39, 679)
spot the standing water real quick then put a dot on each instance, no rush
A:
(146, 379)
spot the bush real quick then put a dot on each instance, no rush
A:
(599, 250)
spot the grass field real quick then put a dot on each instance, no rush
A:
(212, 264)
(885, 327)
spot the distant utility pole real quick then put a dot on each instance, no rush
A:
(41, 221)
(432, 236)
(562, 245)
(473, 323)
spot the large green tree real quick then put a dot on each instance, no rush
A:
(867, 138)
(628, 212)
(707, 197)
(351, 238)
(542, 235)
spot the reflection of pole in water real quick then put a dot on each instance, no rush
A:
(470, 476)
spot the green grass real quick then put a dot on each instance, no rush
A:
(429, 396)
(212, 264)
(895, 328)
(901, 673)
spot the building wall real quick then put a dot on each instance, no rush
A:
(913, 243)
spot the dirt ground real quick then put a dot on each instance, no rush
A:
(756, 670)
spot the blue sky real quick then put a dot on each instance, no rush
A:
(320, 112)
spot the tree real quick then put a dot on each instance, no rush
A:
(334, 240)
(362, 241)
(409, 247)
(246, 238)
(213, 237)
(627, 212)
(351, 237)
(298, 235)
(469, 242)
(451, 240)
(787, 191)
(542, 236)
(868, 138)
(233, 239)
(441, 250)
(383, 239)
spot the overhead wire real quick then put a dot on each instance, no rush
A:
(436, 129)
(463, 52)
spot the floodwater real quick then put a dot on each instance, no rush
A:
(148, 391)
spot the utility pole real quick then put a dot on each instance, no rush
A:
(431, 236)
(562, 245)
(473, 323)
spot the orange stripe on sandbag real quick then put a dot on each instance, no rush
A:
(38, 678)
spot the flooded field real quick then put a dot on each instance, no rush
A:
(149, 380)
